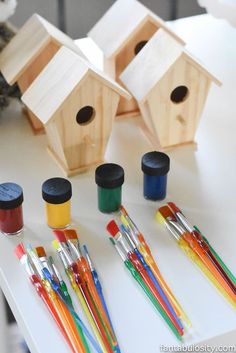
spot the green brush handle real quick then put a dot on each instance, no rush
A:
(101, 320)
(82, 336)
(69, 302)
(66, 293)
(226, 269)
(140, 281)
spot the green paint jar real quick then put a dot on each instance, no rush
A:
(109, 178)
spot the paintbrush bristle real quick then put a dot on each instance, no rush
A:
(60, 235)
(166, 212)
(160, 219)
(40, 251)
(71, 234)
(112, 241)
(112, 228)
(173, 207)
(123, 210)
(20, 251)
(56, 244)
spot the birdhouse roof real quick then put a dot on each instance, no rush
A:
(153, 62)
(29, 41)
(58, 79)
(120, 22)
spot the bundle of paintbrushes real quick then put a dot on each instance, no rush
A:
(137, 257)
(199, 250)
(49, 285)
(87, 287)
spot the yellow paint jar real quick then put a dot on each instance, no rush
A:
(57, 194)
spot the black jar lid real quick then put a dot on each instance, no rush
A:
(155, 163)
(109, 175)
(11, 196)
(56, 190)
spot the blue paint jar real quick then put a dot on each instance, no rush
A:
(155, 166)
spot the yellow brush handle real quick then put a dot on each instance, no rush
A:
(196, 259)
(66, 318)
(177, 307)
(86, 311)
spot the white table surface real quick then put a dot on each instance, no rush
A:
(201, 182)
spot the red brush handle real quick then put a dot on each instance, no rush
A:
(195, 246)
(206, 247)
(84, 291)
(44, 296)
(139, 267)
(87, 278)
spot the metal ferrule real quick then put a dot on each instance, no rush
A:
(57, 273)
(133, 225)
(46, 264)
(133, 234)
(172, 230)
(178, 227)
(123, 243)
(27, 265)
(37, 264)
(120, 252)
(74, 249)
(186, 224)
(62, 257)
(128, 237)
(66, 253)
(88, 258)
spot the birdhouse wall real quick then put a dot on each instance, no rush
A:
(142, 34)
(174, 106)
(77, 146)
(30, 74)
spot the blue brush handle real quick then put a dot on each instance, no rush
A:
(57, 289)
(158, 287)
(101, 296)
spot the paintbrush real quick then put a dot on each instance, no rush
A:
(49, 300)
(83, 266)
(226, 273)
(193, 243)
(80, 296)
(114, 231)
(83, 289)
(176, 231)
(151, 262)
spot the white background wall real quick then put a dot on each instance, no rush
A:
(82, 14)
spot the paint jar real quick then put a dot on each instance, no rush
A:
(109, 178)
(155, 166)
(11, 213)
(57, 194)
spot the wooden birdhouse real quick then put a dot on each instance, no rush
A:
(171, 88)
(29, 52)
(77, 105)
(121, 33)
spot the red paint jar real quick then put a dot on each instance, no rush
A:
(11, 213)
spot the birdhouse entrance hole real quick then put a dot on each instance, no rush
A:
(139, 46)
(85, 115)
(179, 94)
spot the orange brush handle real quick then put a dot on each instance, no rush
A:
(52, 309)
(70, 327)
(165, 286)
(143, 242)
(193, 243)
(90, 305)
(88, 279)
